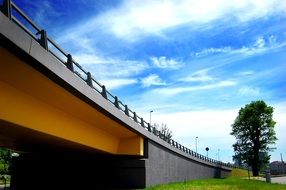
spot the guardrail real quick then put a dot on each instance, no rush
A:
(14, 13)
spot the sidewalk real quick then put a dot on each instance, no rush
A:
(280, 180)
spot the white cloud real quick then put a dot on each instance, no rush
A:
(199, 76)
(169, 91)
(104, 68)
(152, 80)
(83, 43)
(164, 63)
(272, 40)
(260, 45)
(133, 19)
(245, 73)
(112, 84)
(208, 51)
(254, 9)
(90, 59)
(248, 91)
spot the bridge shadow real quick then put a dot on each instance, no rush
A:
(58, 170)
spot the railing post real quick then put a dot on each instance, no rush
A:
(43, 39)
(116, 102)
(126, 110)
(149, 127)
(142, 122)
(69, 63)
(103, 92)
(135, 117)
(89, 79)
(6, 8)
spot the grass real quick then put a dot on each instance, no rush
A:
(234, 182)
(240, 173)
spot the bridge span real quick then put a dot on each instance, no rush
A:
(69, 130)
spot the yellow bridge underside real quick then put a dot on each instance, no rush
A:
(32, 101)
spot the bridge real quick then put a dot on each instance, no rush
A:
(69, 130)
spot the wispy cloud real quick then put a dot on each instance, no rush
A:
(212, 50)
(135, 19)
(106, 68)
(83, 44)
(152, 80)
(249, 91)
(165, 63)
(260, 45)
(91, 59)
(112, 84)
(198, 76)
(169, 91)
(42, 12)
(156, 16)
(245, 73)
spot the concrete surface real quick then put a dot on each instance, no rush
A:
(165, 166)
(281, 180)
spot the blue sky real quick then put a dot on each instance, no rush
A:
(195, 63)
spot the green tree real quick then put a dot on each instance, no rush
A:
(164, 132)
(5, 160)
(253, 129)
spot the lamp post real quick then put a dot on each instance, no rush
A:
(218, 154)
(207, 149)
(196, 144)
(150, 116)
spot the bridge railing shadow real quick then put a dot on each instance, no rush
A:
(15, 14)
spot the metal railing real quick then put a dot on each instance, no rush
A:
(14, 13)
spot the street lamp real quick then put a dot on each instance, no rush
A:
(207, 149)
(196, 144)
(150, 116)
(218, 154)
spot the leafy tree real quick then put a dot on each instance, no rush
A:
(5, 160)
(253, 129)
(163, 132)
